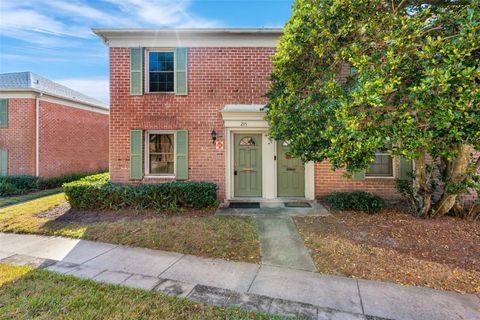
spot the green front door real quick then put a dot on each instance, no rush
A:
(248, 165)
(290, 173)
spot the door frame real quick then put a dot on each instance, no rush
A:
(277, 147)
(261, 160)
(250, 118)
(269, 167)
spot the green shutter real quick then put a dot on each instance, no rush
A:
(3, 162)
(405, 169)
(136, 142)
(3, 113)
(181, 65)
(136, 71)
(182, 155)
(358, 176)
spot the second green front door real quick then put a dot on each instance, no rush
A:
(290, 173)
(248, 165)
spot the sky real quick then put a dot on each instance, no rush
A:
(53, 38)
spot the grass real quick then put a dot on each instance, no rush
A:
(8, 201)
(27, 293)
(209, 236)
(396, 247)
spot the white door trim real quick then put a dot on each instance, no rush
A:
(253, 122)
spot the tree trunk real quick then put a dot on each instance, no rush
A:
(422, 192)
(459, 170)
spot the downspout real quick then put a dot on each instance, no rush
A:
(37, 130)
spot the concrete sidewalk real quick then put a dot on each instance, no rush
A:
(264, 288)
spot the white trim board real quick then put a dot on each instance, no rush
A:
(248, 121)
(31, 94)
(262, 37)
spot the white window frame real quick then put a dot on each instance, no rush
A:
(147, 154)
(147, 69)
(369, 176)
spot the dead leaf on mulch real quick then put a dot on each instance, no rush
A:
(395, 246)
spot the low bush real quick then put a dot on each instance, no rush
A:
(20, 181)
(56, 182)
(96, 192)
(9, 189)
(21, 184)
(356, 200)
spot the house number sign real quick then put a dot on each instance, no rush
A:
(243, 124)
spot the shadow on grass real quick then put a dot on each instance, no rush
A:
(197, 232)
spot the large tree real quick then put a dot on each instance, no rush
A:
(413, 90)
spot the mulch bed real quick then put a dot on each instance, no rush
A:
(396, 246)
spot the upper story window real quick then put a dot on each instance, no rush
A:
(381, 167)
(161, 70)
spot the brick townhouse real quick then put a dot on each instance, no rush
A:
(47, 129)
(187, 104)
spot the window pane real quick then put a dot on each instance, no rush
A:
(162, 157)
(247, 141)
(382, 166)
(161, 71)
(162, 164)
(161, 143)
(160, 61)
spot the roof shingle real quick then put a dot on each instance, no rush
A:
(31, 81)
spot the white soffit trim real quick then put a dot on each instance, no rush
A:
(262, 37)
(31, 94)
(243, 112)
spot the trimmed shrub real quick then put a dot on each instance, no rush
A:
(56, 182)
(9, 189)
(96, 192)
(21, 181)
(19, 184)
(356, 200)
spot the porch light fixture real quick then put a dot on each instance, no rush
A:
(214, 136)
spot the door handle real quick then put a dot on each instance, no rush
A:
(235, 172)
(290, 169)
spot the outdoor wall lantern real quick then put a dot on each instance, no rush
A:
(214, 136)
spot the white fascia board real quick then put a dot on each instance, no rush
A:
(191, 38)
(32, 93)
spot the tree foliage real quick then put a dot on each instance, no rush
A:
(413, 90)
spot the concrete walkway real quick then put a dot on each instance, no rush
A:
(281, 244)
(264, 288)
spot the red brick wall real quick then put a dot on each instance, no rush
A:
(216, 76)
(71, 140)
(328, 181)
(19, 137)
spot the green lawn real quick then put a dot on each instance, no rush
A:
(38, 294)
(209, 236)
(8, 201)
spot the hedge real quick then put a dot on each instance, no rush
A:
(97, 193)
(356, 200)
(21, 184)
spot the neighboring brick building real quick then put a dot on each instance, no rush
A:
(173, 91)
(47, 129)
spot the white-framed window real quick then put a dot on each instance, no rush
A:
(381, 167)
(160, 153)
(160, 70)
